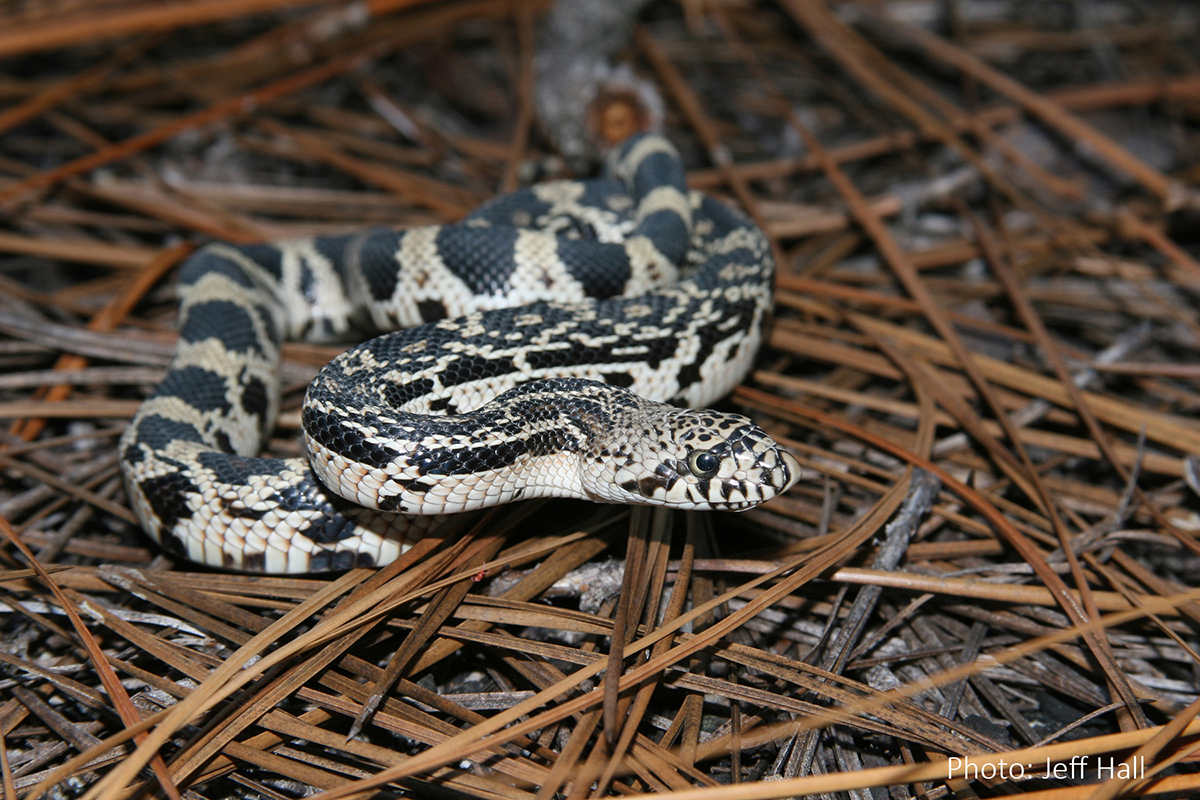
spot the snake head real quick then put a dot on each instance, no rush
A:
(692, 459)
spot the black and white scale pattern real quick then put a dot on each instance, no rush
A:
(557, 331)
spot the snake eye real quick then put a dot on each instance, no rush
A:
(703, 463)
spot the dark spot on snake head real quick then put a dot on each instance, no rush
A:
(630, 486)
(647, 485)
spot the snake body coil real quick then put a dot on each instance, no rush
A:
(553, 325)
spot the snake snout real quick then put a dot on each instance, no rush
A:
(760, 470)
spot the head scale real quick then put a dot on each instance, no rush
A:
(688, 459)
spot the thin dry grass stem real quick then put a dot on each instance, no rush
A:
(448, 201)
(465, 744)
(1102, 743)
(1031, 319)
(69, 409)
(1084, 98)
(648, 590)
(1011, 535)
(693, 109)
(112, 685)
(1170, 431)
(884, 776)
(439, 610)
(526, 46)
(107, 320)
(32, 35)
(1048, 111)
(627, 615)
(217, 112)
(1022, 473)
(99, 253)
(869, 66)
(1155, 238)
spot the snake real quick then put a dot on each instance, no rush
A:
(558, 341)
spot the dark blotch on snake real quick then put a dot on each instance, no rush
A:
(431, 310)
(238, 509)
(468, 367)
(395, 394)
(211, 261)
(172, 543)
(270, 258)
(227, 322)
(307, 280)
(669, 231)
(602, 269)
(205, 390)
(254, 397)
(233, 469)
(482, 258)
(167, 495)
(375, 251)
(157, 432)
(333, 248)
(622, 379)
(326, 560)
(649, 483)
(415, 485)
(254, 562)
(710, 336)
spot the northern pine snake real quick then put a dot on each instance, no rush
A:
(573, 310)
